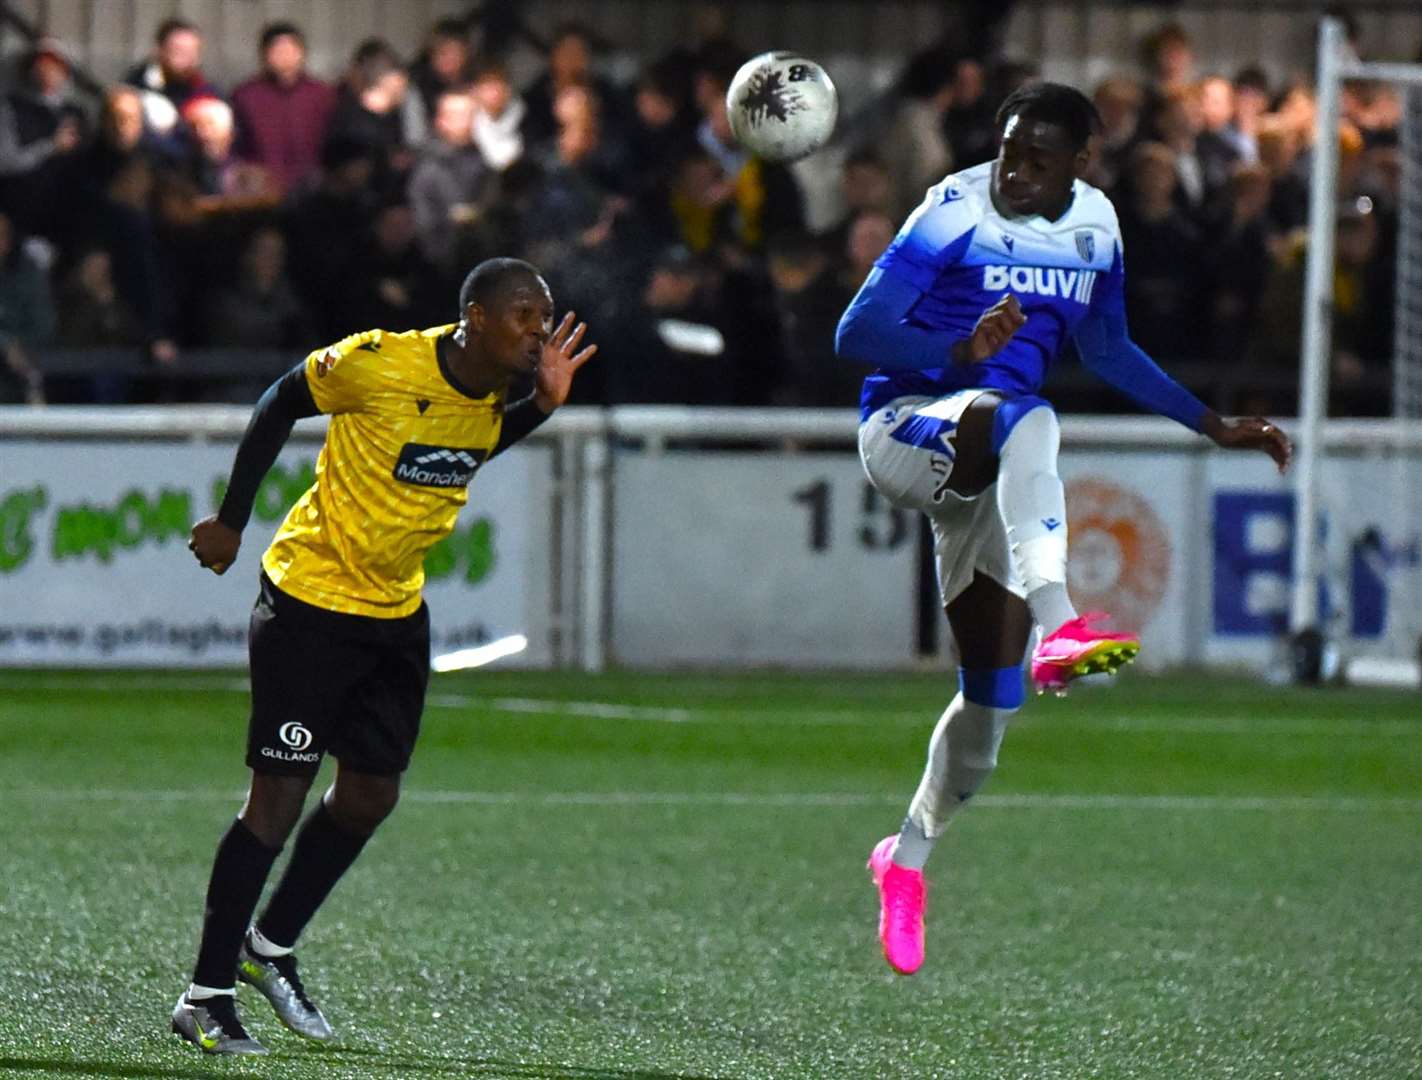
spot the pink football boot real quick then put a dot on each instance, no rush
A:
(1075, 649)
(902, 893)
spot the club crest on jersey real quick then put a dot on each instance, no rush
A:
(326, 361)
(1041, 281)
(1086, 244)
(438, 466)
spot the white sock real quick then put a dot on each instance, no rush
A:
(1032, 503)
(961, 755)
(202, 993)
(262, 946)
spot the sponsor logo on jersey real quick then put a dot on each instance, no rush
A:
(1041, 281)
(952, 193)
(437, 466)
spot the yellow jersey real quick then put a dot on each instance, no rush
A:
(403, 444)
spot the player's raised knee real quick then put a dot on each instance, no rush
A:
(1013, 412)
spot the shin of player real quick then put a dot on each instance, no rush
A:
(1032, 502)
(961, 756)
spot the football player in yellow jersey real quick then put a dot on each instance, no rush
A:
(339, 639)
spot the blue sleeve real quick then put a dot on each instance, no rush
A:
(1108, 352)
(874, 328)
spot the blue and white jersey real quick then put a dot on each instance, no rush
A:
(962, 255)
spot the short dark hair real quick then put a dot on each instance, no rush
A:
(450, 27)
(927, 73)
(490, 278)
(1252, 78)
(1053, 103)
(867, 158)
(275, 30)
(168, 27)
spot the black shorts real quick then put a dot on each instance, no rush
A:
(326, 681)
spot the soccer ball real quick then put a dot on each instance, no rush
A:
(782, 106)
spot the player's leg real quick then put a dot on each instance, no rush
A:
(992, 626)
(373, 745)
(1023, 442)
(330, 840)
(291, 668)
(332, 837)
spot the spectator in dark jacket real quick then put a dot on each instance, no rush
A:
(168, 80)
(394, 285)
(444, 64)
(91, 312)
(282, 112)
(449, 181)
(570, 63)
(1163, 246)
(373, 108)
(671, 342)
(1238, 264)
(41, 128)
(26, 318)
(809, 299)
(260, 310)
(325, 230)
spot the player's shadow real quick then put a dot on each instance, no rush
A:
(73, 1067)
(401, 1065)
(451, 1065)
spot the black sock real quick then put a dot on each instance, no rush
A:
(238, 873)
(323, 852)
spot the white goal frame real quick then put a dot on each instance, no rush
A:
(1335, 65)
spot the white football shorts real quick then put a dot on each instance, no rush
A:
(907, 450)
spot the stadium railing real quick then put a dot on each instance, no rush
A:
(587, 443)
(239, 374)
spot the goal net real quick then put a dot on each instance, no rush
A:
(1358, 554)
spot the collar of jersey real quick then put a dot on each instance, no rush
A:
(442, 358)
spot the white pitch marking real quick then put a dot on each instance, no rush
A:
(1022, 801)
(804, 716)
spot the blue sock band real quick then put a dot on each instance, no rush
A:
(1009, 413)
(993, 688)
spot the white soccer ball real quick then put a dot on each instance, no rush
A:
(782, 106)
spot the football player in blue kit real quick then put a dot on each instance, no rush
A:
(978, 294)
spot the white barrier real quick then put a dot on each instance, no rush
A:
(665, 536)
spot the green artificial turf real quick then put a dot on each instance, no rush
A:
(632, 876)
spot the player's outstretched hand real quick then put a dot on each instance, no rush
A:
(994, 329)
(214, 544)
(1249, 433)
(559, 363)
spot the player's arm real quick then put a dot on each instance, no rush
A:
(1106, 349)
(878, 327)
(552, 384)
(215, 539)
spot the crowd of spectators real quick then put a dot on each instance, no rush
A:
(289, 211)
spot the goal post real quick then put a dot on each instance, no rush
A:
(1365, 562)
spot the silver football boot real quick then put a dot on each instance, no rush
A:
(279, 983)
(212, 1026)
